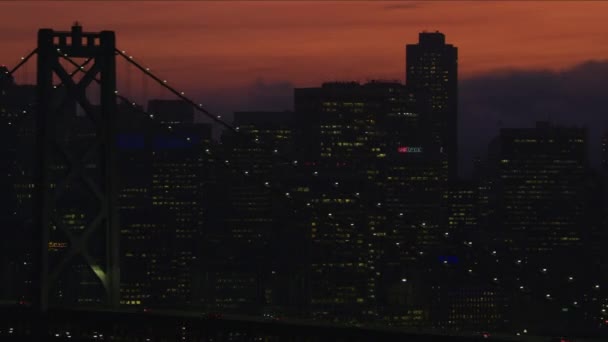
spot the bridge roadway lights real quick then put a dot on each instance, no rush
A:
(172, 326)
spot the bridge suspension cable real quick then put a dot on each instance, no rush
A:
(22, 62)
(179, 94)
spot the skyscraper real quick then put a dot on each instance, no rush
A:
(134, 198)
(546, 211)
(338, 132)
(432, 68)
(243, 267)
(16, 187)
(541, 180)
(376, 174)
(163, 171)
(463, 205)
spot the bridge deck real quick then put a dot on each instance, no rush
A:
(130, 325)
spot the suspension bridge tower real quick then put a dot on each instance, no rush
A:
(76, 187)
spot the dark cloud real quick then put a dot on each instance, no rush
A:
(517, 98)
(259, 95)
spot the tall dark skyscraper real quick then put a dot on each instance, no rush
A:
(547, 210)
(542, 173)
(243, 271)
(16, 186)
(163, 171)
(378, 183)
(340, 141)
(432, 68)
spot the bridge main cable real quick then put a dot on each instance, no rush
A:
(175, 92)
(199, 107)
(23, 61)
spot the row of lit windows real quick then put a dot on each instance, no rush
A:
(184, 203)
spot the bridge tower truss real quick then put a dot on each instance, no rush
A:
(76, 207)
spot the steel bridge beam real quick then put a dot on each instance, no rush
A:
(52, 126)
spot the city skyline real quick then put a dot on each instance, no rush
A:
(565, 65)
(131, 185)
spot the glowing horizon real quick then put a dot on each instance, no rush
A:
(221, 45)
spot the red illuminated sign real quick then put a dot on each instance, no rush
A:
(409, 149)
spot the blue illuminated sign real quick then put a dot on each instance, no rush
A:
(450, 259)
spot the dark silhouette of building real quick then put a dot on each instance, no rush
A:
(163, 172)
(463, 302)
(547, 213)
(340, 143)
(250, 236)
(377, 196)
(432, 68)
(542, 175)
(463, 206)
(137, 221)
(464, 305)
(16, 188)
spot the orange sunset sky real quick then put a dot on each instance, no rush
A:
(204, 44)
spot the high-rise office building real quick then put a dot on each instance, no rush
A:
(466, 306)
(179, 168)
(134, 199)
(247, 239)
(432, 68)
(547, 211)
(463, 208)
(163, 168)
(16, 187)
(541, 183)
(376, 173)
(8, 129)
(414, 182)
(341, 144)
(463, 301)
